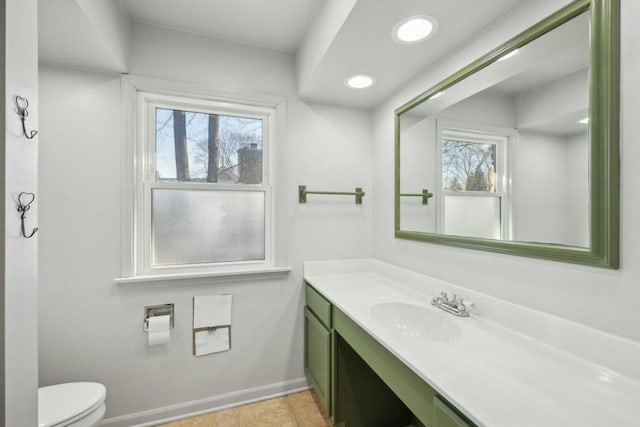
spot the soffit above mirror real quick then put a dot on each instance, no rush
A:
(362, 43)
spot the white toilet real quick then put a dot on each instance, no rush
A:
(72, 404)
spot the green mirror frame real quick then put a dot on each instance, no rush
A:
(603, 137)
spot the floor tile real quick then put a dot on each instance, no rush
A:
(268, 413)
(307, 410)
(295, 410)
(226, 418)
(297, 400)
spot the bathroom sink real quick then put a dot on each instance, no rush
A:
(415, 321)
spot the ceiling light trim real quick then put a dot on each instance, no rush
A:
(419, 34)
(359, 81)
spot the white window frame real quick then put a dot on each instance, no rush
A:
(141, 96)
(504, 139)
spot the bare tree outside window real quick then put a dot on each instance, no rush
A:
(468, 166)
(213, 148)
(202, 147)
(180, 144)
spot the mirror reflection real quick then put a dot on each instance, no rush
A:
(504, 153)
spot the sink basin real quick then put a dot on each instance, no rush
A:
(414, 321)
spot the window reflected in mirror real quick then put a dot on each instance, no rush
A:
(505, 151)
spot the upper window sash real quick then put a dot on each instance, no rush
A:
(501, 142)
(148, 103)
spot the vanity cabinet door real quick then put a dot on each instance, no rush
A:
(317, 356)
(444, 416)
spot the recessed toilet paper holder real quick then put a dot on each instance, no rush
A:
(157, 310)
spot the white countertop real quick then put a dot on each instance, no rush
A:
(496, 376)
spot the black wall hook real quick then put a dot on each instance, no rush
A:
(23, 104)
(23, 208)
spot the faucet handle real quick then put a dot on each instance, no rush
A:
(466, 304)
(442, 294)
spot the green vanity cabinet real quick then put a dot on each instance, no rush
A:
(317, 345)
(360, 382)
(446, 416)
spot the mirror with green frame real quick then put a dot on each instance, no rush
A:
(518, 152)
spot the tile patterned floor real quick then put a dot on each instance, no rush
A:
(295, 410)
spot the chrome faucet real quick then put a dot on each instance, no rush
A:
(454, 306)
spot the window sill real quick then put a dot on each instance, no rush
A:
(254, 272)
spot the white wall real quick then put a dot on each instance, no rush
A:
(540, 188)
(603, 299)
(86, 319)
(551, 177)
(577, 196)
(419, 171)
(18, 173)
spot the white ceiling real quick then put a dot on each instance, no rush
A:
(330, 38)
(278, 25)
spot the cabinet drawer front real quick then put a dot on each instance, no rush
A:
(444, 416)
(318, 305)
(317, 356)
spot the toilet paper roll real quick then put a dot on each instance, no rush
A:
(158, 330)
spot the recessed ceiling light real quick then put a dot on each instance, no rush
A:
(584, 121)
(509, 55)
(414, 29)
(360, 81)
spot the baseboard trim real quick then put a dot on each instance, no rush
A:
(209, 404)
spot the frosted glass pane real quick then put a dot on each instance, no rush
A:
(472, 216)
(192, 147)
(205, 226)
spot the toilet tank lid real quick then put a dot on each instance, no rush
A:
(63, 402)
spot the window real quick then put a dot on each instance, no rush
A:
(203, 200)
(207, 201)
(475, 181)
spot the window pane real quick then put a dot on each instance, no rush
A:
(468, 166)
(201, 147)
(472, 216)
(204, 226)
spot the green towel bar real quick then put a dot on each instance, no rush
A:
(302, 194)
